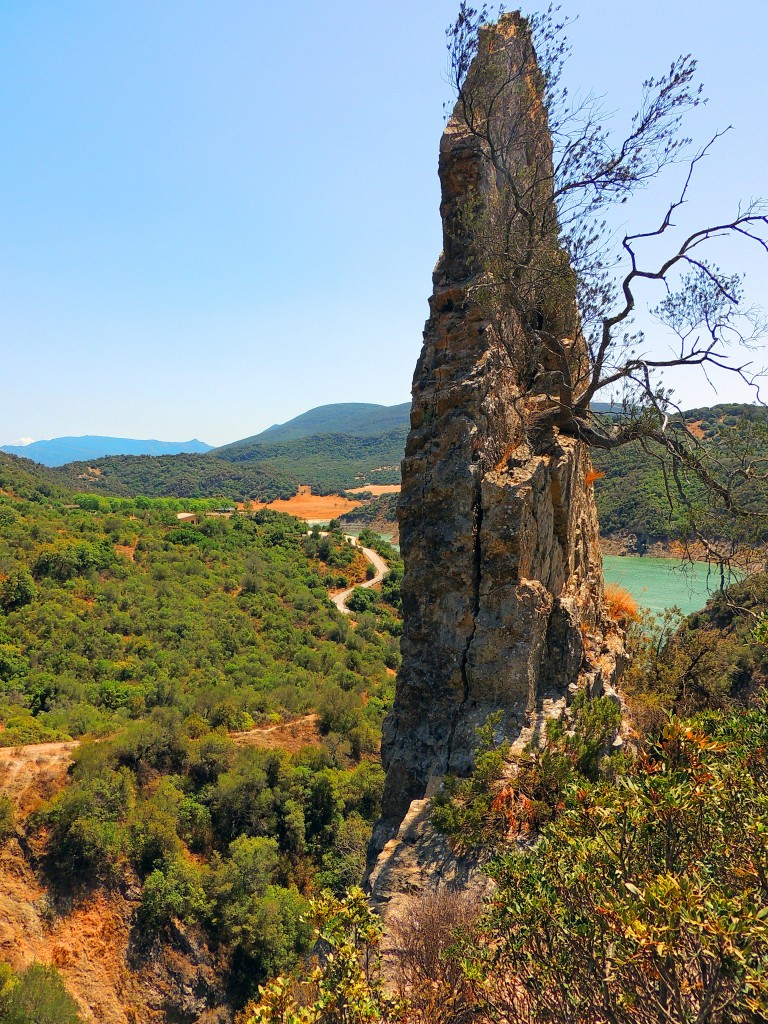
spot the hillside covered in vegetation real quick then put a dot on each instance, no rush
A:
(177, 648)
(635, 496)
(359, 419)
(328, 463)
(626, 849)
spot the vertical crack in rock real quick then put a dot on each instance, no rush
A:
(503, 589)
(478, 564)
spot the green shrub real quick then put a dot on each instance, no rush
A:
(17, 589)
(644, 900)
(36, 996)
(7, 819)
(173, 891)
(261, 921)
(500, 798)
(362, 599)
(87, 836)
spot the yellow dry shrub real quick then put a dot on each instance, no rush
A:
(619, 604)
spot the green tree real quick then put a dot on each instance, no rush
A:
(260, 920)
(17, 589)
(36, 996)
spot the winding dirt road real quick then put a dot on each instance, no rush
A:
(381, 567)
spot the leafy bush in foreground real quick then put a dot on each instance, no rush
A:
(499, 800)
(645, 900)
(347, 988)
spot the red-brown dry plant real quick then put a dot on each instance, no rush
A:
(620, 604)
(592, 475)
(424, 971)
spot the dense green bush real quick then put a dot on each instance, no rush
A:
(362, 599)
(503, 796)
(7, 819)
(35, 996)
(17, 589)
(644, 900)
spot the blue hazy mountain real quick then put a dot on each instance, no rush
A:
(60, 450)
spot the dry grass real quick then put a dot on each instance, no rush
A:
(424, 971)
(620, 604)
(289, 736)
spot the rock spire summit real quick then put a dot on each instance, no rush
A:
(503, 588)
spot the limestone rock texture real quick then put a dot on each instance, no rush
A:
(503, 588)
(419, 860)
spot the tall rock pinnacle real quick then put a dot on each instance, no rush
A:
(503, 588)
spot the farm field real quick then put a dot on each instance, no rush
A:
(320, 507)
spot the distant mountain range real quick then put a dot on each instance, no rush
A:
(61, 450)
(331, 448)
(354, 419)
(343, 447)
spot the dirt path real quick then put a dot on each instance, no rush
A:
(381, 567)
(290, 736)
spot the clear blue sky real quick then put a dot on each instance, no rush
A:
(217, 214)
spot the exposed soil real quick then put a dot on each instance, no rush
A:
(696, 429)
(319, 507)
(376, 489)
(289, 736)
(92, 939)
(33, 774)
(310, 506)
(387, 528)
(89, 944)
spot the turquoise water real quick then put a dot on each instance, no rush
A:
(659, 583)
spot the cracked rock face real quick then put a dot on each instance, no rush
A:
(503, 588)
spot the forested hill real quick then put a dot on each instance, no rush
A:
(327, 462)
(329, 448)
(24, 478)
(180, 476)
(366, 446)
(632, 495)
(161, 640)
(356, 418)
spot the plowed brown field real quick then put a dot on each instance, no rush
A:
(319, 506)
(308, 506)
